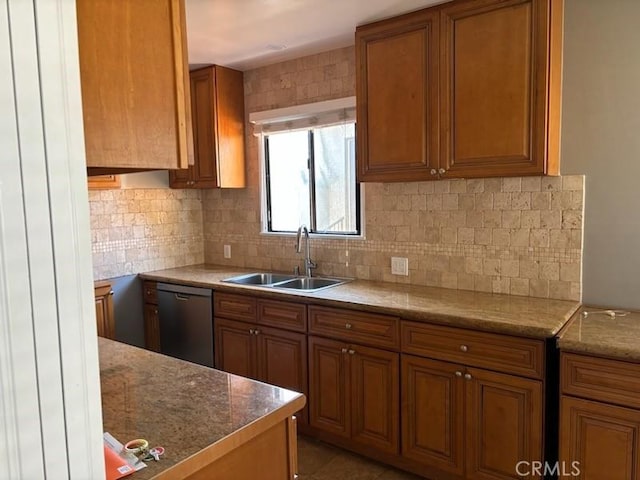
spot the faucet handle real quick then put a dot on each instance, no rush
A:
(296, 270)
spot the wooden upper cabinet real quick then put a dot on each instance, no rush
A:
(397, 98)
(500, 95)
(217, 106)
(464, 89)
(135, 84)
(103, 182)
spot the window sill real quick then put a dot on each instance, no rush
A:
(323, 236)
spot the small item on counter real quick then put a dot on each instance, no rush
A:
(138, 447)
(610, 313)
(154, 454)
(118, 463)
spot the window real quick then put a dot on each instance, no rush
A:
(309, 173)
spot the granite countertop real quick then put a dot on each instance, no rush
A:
(603, 335)
(186, 408)
(524, 316)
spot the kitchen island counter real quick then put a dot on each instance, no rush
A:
(204, 418)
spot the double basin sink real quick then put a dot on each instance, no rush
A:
(289, 282)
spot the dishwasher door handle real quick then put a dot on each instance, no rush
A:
(182, 298)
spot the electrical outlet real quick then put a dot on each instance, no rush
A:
(227, 251)
(399, 266)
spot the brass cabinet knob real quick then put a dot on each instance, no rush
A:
(458, 374)
(442, 171)
(351, 351)
(256, 332)
(251, 331)
(343, 350)
(348, 326)
(467, 376)
(464, 348)
(433, 171)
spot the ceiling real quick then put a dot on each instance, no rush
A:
(246, 34)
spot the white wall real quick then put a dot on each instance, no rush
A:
(49, 376)
(601, 139)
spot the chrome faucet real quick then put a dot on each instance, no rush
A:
(308, 263)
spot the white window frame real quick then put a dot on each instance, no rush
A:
(283, 119)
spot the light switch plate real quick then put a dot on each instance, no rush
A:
(399, 266)
(227, 251)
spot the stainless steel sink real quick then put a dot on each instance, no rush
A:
(310, 283)
(289, 282)
(263, 279)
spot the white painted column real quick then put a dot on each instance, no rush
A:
(50, 422)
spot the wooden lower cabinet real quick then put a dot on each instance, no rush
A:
(105, 319)
(503, 424)
(354, 393)
(271, 355)
(598, 440)
(328, 386)
(432, 413)
(151, 319)
(282, 358)
(600, 417)
(469, 422)
(235, 350)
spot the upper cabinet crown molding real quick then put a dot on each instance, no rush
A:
(217, 106)
(464, 89)
(135, 84)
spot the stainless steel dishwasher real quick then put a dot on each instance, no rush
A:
(186, 323)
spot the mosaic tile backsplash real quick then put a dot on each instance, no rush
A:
(138, 230)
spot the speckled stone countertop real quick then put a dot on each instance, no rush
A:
(602, 335)
(186, 408)
(524, 316)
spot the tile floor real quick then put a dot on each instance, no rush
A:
(320, 461)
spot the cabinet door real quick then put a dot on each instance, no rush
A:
(282, 360)
(135, 99)
(375, 392)
(397, 92)
(433, 413)
(151, 327)
(504, 424)
(235, 350)
(205, 173)
(103, 182)
(182, 178)
(602, 439)
(495, 73)
(328, 386)
(104, 311)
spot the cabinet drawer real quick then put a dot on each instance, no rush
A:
(503, 353)
(150, 292)
(238, 307)
(612, 381)
(292, 316)
(350, 325)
